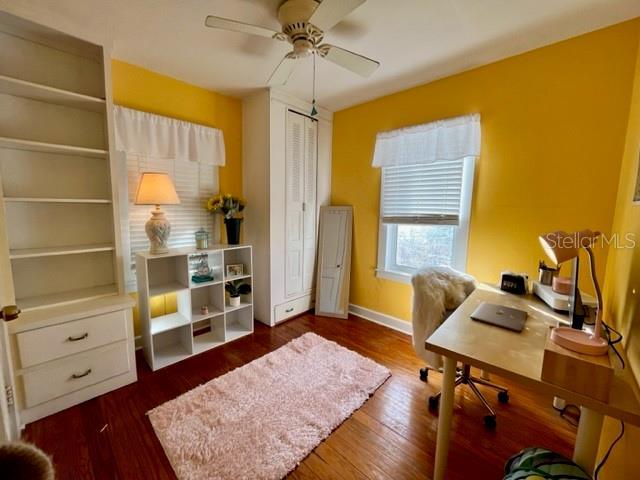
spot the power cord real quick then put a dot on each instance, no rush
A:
(612, 343)
(606, 455)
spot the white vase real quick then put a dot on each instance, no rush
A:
(234, 301)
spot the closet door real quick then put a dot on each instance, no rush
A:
(309, 206)
(294, 207)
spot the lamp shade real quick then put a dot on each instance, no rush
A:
(561, 246)
(156, 189)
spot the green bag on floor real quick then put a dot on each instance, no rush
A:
(541, 464)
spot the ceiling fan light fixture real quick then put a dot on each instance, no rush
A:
(304, 23)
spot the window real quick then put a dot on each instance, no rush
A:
(189, 153)
(425, 194)
(194, 182)
(424, 218)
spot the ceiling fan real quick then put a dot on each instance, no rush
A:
(303, 25)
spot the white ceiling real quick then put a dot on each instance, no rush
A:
(415, 40)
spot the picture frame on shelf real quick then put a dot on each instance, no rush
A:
(235, 270)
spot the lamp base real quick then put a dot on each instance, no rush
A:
(579, 341)
(158, 230)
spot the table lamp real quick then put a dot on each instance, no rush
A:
(157, 189)
(562, 246)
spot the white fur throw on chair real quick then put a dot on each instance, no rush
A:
(436, 290)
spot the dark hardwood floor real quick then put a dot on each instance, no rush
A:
(392, 436)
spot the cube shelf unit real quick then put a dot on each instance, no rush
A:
(172, 337)
(56, 196)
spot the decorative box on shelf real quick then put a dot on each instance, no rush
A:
(204, 318)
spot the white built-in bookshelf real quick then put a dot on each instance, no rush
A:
(172, 337)
(60, 259)
(55, 185)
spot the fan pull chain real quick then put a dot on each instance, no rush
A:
(314, 112)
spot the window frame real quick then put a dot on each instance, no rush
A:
(388, 237)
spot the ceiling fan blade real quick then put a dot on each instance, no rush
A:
(351, 61)
(282, 72)
(330, 12)
(226, 24)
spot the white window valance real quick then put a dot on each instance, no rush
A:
(147, 134)
(444, 140)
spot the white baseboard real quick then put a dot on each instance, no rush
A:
(381, 319)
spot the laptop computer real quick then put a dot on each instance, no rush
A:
(500, 316)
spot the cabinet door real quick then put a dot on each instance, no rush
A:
(294, 197)
(309, 207)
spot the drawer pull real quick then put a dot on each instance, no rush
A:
(289, 310)
(80, 375)
(78, 338)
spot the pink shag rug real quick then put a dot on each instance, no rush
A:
(260, 420)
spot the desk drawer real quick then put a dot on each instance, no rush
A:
(57, 341)
(74, 373)
(293, 308)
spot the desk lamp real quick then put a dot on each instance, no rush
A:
(562, 246)
(157, 189)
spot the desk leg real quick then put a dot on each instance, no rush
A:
(588, 439)
(444, 418)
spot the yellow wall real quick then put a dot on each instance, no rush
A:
(553, 128)
(142, 89)
(622, 289)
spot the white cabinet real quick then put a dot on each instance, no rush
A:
(60, 260)
(287, 176)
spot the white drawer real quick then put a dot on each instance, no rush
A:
(293, 308)
(57, 341)
(74, 373)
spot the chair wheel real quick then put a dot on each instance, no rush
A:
(424, 374)
(503, 397)
(490, 421)
(434, 402)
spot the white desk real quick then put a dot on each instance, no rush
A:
(518, 357)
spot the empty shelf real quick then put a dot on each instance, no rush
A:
(168, 322)
(168, 355)
(30, 303)
(45, 93)
(206, 341)
(236, 330)
(54, 251)
(18, 144)
(155, 290)
(56, 200)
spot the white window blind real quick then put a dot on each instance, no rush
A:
(422, 194)
(195, 183)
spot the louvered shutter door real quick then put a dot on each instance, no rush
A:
(294, 198)
(309, 214)
(422, 194)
